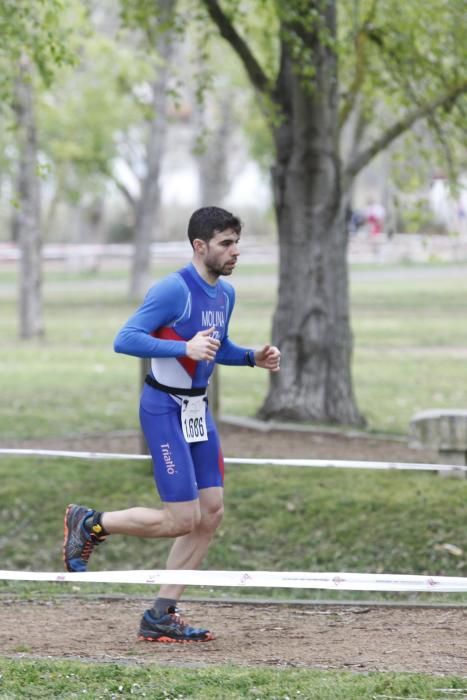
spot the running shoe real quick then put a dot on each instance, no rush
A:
(79, 542)
(170, 628)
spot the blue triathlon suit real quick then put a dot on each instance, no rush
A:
(174, 310)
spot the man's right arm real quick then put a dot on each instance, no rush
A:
(165, 302)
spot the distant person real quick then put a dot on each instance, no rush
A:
(355, 220)
(182, 326)
(374, 216)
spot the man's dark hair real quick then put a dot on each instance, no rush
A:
(206, 222)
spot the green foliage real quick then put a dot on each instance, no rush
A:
(391, 62)
(153, 17)
(254, 113)
(96, 109)
(39, 29)
(401, 54)
(91, 110)
(251, 18)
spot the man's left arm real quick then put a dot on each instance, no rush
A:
(267, 357)
(231, 354)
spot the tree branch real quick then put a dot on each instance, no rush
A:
(398, 128)
(124, 191)
(444, 145)
(256, 74)
(361, 37)
(358, 78)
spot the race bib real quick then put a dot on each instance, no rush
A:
(194, 418)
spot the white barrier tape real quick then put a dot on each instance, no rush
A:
(331, 463)
(263, 579)
(76, 455)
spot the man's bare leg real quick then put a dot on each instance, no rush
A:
(172, 520)
(188, 551)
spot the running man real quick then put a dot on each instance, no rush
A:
(182, 326)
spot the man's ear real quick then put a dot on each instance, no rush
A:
(199, 246)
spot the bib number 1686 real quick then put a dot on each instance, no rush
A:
(194, 419)
(194, 427)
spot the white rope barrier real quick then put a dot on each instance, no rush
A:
(327, 463)
(263, 579)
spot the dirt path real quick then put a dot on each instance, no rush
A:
(316, 636)
(248, 442)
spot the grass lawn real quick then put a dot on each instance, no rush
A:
(305, 520)
(410, 350)
(68, 679)
(409, 356)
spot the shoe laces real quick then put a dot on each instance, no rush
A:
(176, 617)
(89, 545)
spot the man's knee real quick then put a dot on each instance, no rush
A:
(211, 517)
(184, 523)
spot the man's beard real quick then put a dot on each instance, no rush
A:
(220, 270)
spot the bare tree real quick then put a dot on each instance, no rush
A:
(211, 150)
(148, 204)
(27, 220)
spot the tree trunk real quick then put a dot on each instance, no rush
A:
(28, 213)
(311, 322)
(213, 156)
(212, 161)
(95, 231)
(148, 204)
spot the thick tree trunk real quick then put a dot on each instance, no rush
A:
(311, 322)
(28, 213)
(149, 202)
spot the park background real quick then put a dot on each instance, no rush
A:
(111, 137)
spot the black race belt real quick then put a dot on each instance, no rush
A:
(174, 390)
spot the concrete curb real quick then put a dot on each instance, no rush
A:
(270, 426)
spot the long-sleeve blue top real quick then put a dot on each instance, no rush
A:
(169, 304)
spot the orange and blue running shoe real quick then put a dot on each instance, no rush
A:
(170, 628)
(79, 541)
